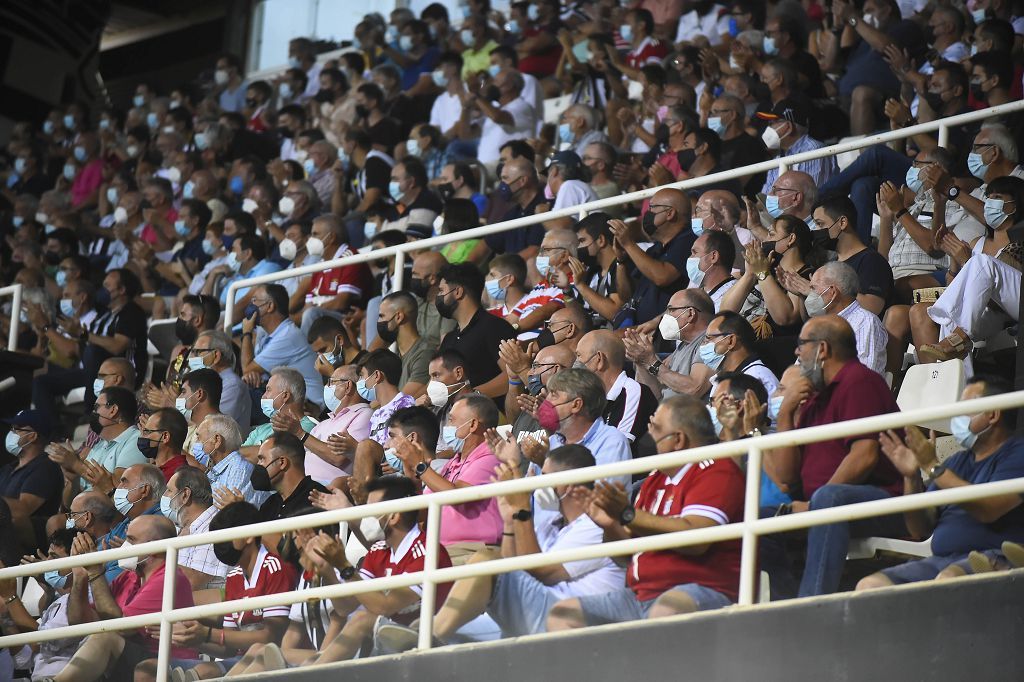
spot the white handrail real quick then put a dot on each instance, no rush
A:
(12, 335)
(748, 529)
(599, 204)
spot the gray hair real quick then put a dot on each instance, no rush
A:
(225, 427)
(327, 148)
(101, 508)
(195, 480)
(581, 383)
(294, 383)
(586, 112)
(220, 342)
(1000, 136)
(807, 187)
(841, 276)
(307, 189)
(690, 416)
(151, 475)
(735, 103)
(565, 239)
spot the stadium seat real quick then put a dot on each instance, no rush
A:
(867, 548)
(554, 107)
(932, 385)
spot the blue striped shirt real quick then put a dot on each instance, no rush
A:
(819, 169)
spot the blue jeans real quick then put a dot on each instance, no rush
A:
(622, 605)
(827, 546)
(862, 178)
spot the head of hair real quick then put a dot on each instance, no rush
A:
(996, 63)
(958, 76)
(583, 384)
(225, 427)
(465, 275)
(511, 264)
(419, 420)
(596, 225)
(174, 423)
(645, 18)
(460, 214)
(150, 475)
(450, 358)
(293, 382)
(234, 515)
(124, 400)
(208, 306)
(221, 342)
(736, 324)
(571, 456)
(520, 149)
(483, 408)
(1000, 136)
(384, 361)
(396, 488)
(995, 385)
(195, 480)
(507, 52)
(130, 281)
(1000, 32)
(289, 446)
(208, 381)
(415, 169)
(690, 415)
(740, 383)
(278, 295)
(722, 244)
(404, 301)
(839, 206)
(842, 276)
(1014, 186)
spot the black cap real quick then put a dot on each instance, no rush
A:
(33, 419)
(420, 231)
(566, 158)
(793, 109)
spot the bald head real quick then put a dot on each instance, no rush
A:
(519, 167)
(555, 354)
(429, 263)
(719, 208)
(834, 330)
(677, 199)
(607, 343)
(150, 528)
(798, 181)
(117, 372)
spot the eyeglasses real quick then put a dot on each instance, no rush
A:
(673, 308)
(776, 190)
(338, 382)
(200, 351)
(718, 335)
(802, 341)
(981, 146)
(545, 365)
(144, 430)
(550, 250)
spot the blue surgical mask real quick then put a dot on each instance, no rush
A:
(121, 499)
(237, 185)
(512, 26)
(112, 196)
(181, 228)
(13, 443)
(914, 181)
(495, 290)
(67, 307)
(55, 580)
(994, 214)
(466, 36)
(309, 166)
(395, 190)
(367, 394)
(267, 405)
(771, 204)
(209, 248)
(709, 356)
(179, 405)
(200, 455)
(97, 386)
(960, 425)
(770, 48)
(626, 31)
(62, 278)
(713, 412)
(69, 171)
(405, 42)
(565, 133)
(977, 167)
(195, 362)
(543, 265)
(233, 262)
(80, 154)
(69, 121)
(168, 511)
(693, 271)
(412, 145)
(138, 100)
(533, 12)
(332, 401)
(774, 405)
(440, 80)
(493, 70)
(391, 456)
(716, 125)
(451, 440)
(697, 226)
(17, 221)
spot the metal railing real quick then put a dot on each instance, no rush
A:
(747, 530)
(399, 251)
(14, 290)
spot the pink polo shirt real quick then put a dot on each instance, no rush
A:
(472, 521)
(355, 421)
(137, 598)
(86, 182)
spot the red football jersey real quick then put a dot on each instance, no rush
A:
(712, 489)
(381, 562)
(352, 279)
(273, 576)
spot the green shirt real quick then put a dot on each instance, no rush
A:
(118, 453)
(264, 431)
(458, 252)
(416, 364)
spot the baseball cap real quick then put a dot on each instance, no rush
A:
(566, 158)
(33, 419)
(793, 109)
(420, 231)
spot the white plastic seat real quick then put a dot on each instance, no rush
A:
(554, 107)
(932, 385)
(866, 548)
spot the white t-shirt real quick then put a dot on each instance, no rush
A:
(590, 576)
(534, 94)
(573, 193)
(712, 25)
(493, 135)
(446, 111)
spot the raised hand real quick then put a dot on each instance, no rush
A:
(505, 449)
(223, 496)
(334, 499)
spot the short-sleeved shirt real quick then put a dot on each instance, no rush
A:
(543, 293)
(446, 111)
(587, 576)
(379, 418)
(287, 347)
(355, 421)
(416, 363)
(202, 558)
(429, 323)
(629, 407)
(264, 267)
(131, 322)
(170, 466)
(120, 452)
(478, 343)
(682, 360)
(573, 193)
(138, 599)
(473, 521)
(650, 298)
(410, 557)
(273, 576)
(235, 399)
(873, 272)
(514, 241)
(854, 392)
(375, 174)
(277, 507)
(262, 432)
(40, 476)
(493, 135)
(355, 280)
(711, 489)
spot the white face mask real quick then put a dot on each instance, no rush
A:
(130, 563)
(771, 139)
(371, 530)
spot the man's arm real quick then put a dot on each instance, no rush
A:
(988, 510)
(526, 543)
(24, 505)
(534, 319)
(233, 639)
(858, 464)
(102, 598)
(115, 345)
(79, 610)
(496, 387)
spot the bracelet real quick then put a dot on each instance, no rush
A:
(900, 213)
(10, 599)
(209, 632)
(305, 437)
(514, 382)
(93, 578)
(509, 534)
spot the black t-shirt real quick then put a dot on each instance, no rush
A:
(650, 299)
(385, 132)
(376, 173)
(807, 67)
(130, 321)
(873, 271)
(634, 407)
(426, 200)
(40, 477)
(35, 185)
(478, 343)
(514, 241)
(744, 151)
(276, 508)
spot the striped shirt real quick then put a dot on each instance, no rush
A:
(539, 296)
(819, 169)
(629, 407)
(202, 558)
(870, 335)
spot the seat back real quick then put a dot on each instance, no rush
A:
(554, 107)
(931, 385)
(162, 338)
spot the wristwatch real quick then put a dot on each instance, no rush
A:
(953, 192)
(853, 21)
(761, 276)
(347, 572)
(655, 368)
(421, 469)
(936, 470)
(627, 515)
(522, 515)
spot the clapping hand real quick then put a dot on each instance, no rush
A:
(607, 502)
(792, 282)
(334, 499)
(505, 449)
(223, 496)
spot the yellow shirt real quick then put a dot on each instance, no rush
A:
(477, 60)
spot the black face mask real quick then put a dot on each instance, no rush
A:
(533, 384)
(823, 240)
(324, 96)
(251, 103)
(147, 447)
(361, 110)
(648, 223)
(446, 307)
(387, 335)
(418, 287)
(493, 94)
(661, 133)
(545, 339)
(285, 132)
(447, 190)
(935, 101)
(589, 262)
(95, 425)
(51, 258)
(260, 479)
(501, 166)
(287, 550)
(227, 554)
(977, 93)
(185, 332)
(686, 158)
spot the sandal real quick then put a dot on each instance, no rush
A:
(956, 346)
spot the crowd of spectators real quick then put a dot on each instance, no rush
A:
(652, 327)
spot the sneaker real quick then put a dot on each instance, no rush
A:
(178, 675)
(1014, 553)
(394, 638)
(273, 659)
(979, 563)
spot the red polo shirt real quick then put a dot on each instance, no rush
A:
(855, 392)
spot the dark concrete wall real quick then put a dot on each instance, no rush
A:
(965, 629)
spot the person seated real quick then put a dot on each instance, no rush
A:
(379, 373)
(519, 601)
(834, 387)
(793, 193)
(93, 513)
(984, 273)
(731, 346)
(837, 282)
(668, 582)
(283, 404)
(458, 215)
(31, 485)
(991, 453)
(137, 494)
(213, 350)
(684, 321)
(399, 308)
(200, 397)
(506, 285)
(188, 503)
(166, 452)
(596, 272)
(216, 451)
(331, 445)
(333, 345)
(551, 264)
(530, 378)
(567, 182)
(710, 266)
(137, 591)
(448, 383)
(255, 572)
